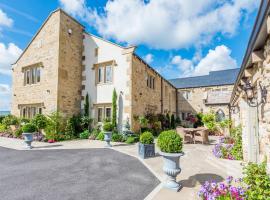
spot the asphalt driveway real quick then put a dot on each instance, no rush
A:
(73, 174)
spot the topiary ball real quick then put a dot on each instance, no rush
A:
(147, 138)
(29, 128)
(108, 127)
(170, 142)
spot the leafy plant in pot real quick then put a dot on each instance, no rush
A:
(108, 128)
(28, 130)
(146, 145)
(171, 144)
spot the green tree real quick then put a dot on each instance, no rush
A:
(86, 106)
(172, 121)
(114, 108)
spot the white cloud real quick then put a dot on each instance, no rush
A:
(216, 59)
(5, 20)
(8, 55)
(4, 89)
(164, 24)
(149, 58)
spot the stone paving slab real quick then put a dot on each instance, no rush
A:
(198, 164)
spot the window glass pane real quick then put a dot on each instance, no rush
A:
(108, 113)
(153, 83)
(38, 75)
(27, 77)
(40, 110)
(33, 75)
(100, 74)
(100, 114)
(109, 74)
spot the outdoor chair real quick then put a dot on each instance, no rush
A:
(202, 136)
(187, 137)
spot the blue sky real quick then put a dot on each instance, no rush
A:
(177, 37)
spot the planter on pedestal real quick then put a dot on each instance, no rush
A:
(170, 144)
(28, 131)
(146, 146)
(108, 128)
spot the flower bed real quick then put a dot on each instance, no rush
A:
(230, 147)
(228, 190)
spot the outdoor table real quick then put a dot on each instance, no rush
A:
(193, 131)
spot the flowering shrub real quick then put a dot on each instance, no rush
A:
(229, 190)
(230, 147)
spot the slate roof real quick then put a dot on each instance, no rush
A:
(215, 78)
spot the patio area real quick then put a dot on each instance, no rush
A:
(198, 165)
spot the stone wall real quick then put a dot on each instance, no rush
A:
(148, 100)
(70, 65)
(198, 100)
(60, 54)
(259, 74)
(42, 49)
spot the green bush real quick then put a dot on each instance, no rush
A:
(10, 120)
(1, 119)
(172, 121)
(56, 124)
(86, 122)
(85, 134)
(40, 121)
(132, 139)
(18, 132)
(256, 177)
(209, 120)
(108, 127)
(237, 150)
(24, 121)
(70, 129)
(3, 128)
(147, 138)
(116, 137)
(177, 121)
(170, 142)
(29, 128)
(100, 136)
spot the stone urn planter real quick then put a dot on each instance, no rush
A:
(146, 146)
(107, 129)
(170, 144)
(171, 168)
(28, 131)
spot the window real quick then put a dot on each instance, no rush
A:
(31, 75)
(108, 74)
(150, 82)
(220, 116)
(183, 116)
(30, 111)
(108, 113)
(105, 74)
(187, 95)
(96, 52)
(100, 74)
(99, 117)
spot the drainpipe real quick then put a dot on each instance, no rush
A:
(161, 94)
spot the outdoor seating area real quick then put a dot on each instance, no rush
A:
(193, 135)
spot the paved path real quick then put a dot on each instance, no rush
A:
(81, 174)
(198, 165)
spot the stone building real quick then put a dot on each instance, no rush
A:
(250, 99)
(63, 63)
(207, 93)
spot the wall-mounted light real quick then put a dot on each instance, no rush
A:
(250, 93)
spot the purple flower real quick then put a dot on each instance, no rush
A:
(229, 179)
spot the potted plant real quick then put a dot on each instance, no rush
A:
(146, 145)
(170, 144)
(28, 130)
(108, 128)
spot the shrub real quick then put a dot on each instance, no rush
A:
(40, 121)
(1, 119)
(172, 121)
(177, 121)
(114, 108)
(132, 139)
(18, 132)
(143, 122)
(29, 128)
(10, 120)
(116, 137)
(147, 138)
(167, 121)
(100, 136)
(86, 106)
(170, 142)
(209, 120)
(24, 121)
(56, 123)
(86, 122)
(70, 129)
(3, 128)
(85, 134)
(199, 122)
(108, 126)
(256, 177)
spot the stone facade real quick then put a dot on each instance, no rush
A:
(145, 99)
(196, 100)
(57, 48)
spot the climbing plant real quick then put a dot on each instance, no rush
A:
(114, 108)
